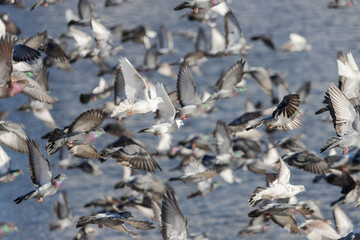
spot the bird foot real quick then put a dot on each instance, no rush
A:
(129, 113)
(345, 150)
(69, 143)
(271, 198)
(40, 200)
(100, 225)
(183, 117)
(271, 126)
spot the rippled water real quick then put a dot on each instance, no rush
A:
(223, 213)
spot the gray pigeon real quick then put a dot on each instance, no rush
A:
(13, 136)
(115, 221)
(41, 175)
(7, 228)
(79, 135)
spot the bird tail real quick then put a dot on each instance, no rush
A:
(84, 221)
(85, 98)
(256, 125)
(252, 201)
(24, 197)
(344, 70)
(56, 141)
(144, 130)
(330, 143)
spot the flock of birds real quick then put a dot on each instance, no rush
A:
(238, 145)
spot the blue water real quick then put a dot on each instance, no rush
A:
(223, 213)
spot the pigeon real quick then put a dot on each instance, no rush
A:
(204, 188)
(285, 116)
(279, 187)
(13, 136)
(44, 3)
(340, 4)
(101, 91)
(173, 223)
(297, 43)
(262, 78)
(198, 4)
(115, 221)
(7, 228)
(256, 226)
(165, 115)
(226, 86)
(319, 229)
(62, 211)
(41, 175)
(132, 88)
(132, 155)
(345, 120)
(6, 173)
(10, 25)
(79, 135)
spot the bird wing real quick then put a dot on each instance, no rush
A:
(6, 51)
(288, 106)
(4, 162)
(186, 88)
(232, 76)
(232, 29)
(223, 140)
(101, 33)
(119, 87)
(308, 162)
(24, 53)
(13, 136)
(61, 206)
(342, 221)
(142, 225)
(39, 166)
(87, 120)
(37, 40)
(43, 78)
(262, 78)
(84, 151)
(341, 110)
(173, 223)
(287, 222)
(297, 40)
(218, 43)
(135, 84)
(82, 39)
(284, 173)
(166, 110)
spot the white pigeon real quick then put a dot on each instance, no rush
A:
(279, 187)
(133, 91)
(165, 115)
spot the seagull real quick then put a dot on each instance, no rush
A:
(115, 221)
(285, 116)
(297, 43)
(165, 115)
(133, 90)
(62, 211)
(6, 174)
(79, 135)
(41, 175)
(279, 187)
(345, 120)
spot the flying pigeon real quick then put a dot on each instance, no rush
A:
(285, 116)
(41, 175)
(7, 228)
(13, 136)
(79, 135)
(62, 211)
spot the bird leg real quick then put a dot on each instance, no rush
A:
(183, 117)
(100, 225)
(40, 200)
(69, 143)
(129, 112)
(271, 198)
(271, 126)
(345, 150)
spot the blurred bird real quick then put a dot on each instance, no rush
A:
(6, 173)
(62, 211)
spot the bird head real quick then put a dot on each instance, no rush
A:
(61, 177)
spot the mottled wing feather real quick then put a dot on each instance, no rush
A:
(88, 120)
(232, 76)
(186, 88)
(39, 166)
(288, 106)
(294, 124)
(142, 225)
(287, 222)
(37, 40)
(6, 51)
(85, 151)
(173, 223)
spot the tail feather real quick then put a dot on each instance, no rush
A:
(24, 197)
(143, 130)
(56, 141)
(330, 143)
(84, 221)
(252, 201)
